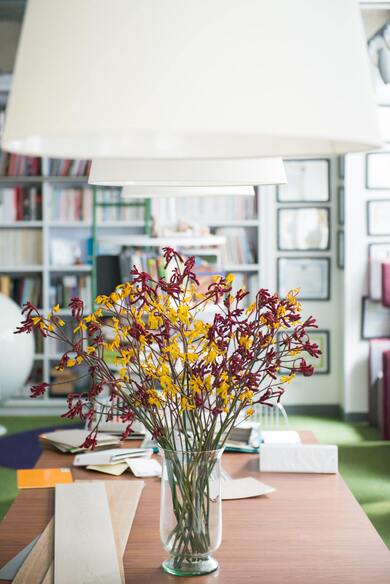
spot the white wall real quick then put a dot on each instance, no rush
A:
(320, 389)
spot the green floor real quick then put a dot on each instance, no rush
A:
(364, 462)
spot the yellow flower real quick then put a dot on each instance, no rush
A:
(245, 342)
(71, 363)
(90, 350)
(230, 279)
(250, 412)
(287, 378)
(61, 322)
(56, 308)
(185, 406)
(81, 327)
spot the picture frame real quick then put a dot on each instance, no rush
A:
(308, 181)
(303, 229)
(340, 249)
(378, 170)
(341, 167)
(384, 121)
(322, 363)
(310, 274)
(380, 250)
(378, 216)
(375, 320)
(341, 205)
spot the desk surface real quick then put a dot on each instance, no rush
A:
(310, 530)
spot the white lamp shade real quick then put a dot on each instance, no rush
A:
(142, 192)
(188, 173)
(191, 79)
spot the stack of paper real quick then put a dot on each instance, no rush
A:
(113, 461)
(72, 440)
(245, 437)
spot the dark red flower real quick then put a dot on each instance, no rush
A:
(38, 390)
(77, 307)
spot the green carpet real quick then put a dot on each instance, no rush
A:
(364, 462)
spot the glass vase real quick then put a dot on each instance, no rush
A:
(191, 511)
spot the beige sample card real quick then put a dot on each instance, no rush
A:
(244, 488)
(84, 547)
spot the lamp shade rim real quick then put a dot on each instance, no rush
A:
(184, 146)
(187, 173)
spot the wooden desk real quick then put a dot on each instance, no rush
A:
(311, 530)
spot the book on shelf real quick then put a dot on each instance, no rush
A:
(248, 282)
(238, 248)
(63, 288)
(116, 213)
(17, 165)
(68, 167)
(71, 204)
(20, 247)
(22, 288)
(20, 204)
(202, 209)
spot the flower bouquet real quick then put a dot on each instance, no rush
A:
(188, 381)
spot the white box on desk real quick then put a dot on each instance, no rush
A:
(310, 458)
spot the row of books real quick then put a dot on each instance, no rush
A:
(20, 247)
(75, 204)
(63, 288)
(108, 214)
(20, 204)
(17, 165)
(67, 167)
(203, 209)
(238, 249)
(22, 288)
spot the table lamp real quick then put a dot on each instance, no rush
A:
(166, 79)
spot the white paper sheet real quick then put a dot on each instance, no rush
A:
(244, 488)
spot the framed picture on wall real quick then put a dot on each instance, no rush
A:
(384, 121)
(311, 275)
(375, 322)
(340, 249)
(308, 181)
(379, 251)
(341, 166)
(378, 170)
(378, 217)
(303, 228)
(341, 205)
(322, 339)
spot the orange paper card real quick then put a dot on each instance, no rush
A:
(38, 478)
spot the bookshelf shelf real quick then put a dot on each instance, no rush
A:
(180, 241)
(234, 223)
(21, 269)
(241, 267)
(21, 225)
(100, 225)
(18, 180)
(72, 268)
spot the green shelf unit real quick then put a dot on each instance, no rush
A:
(145, 204)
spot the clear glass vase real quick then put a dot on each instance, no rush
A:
(191, 511)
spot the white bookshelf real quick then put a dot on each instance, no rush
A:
(109, 232)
